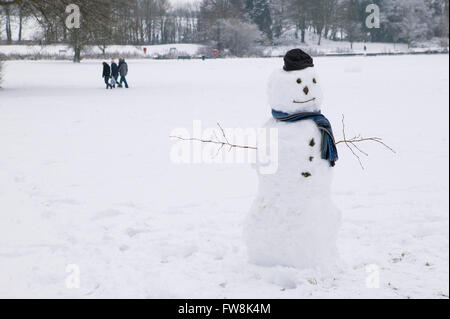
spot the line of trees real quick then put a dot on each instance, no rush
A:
(104, 22)
(116, 21)
(237, 26)
(278, 20)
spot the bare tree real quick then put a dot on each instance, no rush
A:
(7, 13)
(350, 20)
(322, 12)
(95, 21)
(23, 14)
(279, 12)
(300, 15)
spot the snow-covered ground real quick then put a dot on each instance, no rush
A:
(86, 180)
(64, 51)
(343, 47)
(327, 46)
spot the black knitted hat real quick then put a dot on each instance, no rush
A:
(296, 60)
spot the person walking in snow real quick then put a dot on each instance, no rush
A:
(107, 75)
(123, 71)
(114, 71)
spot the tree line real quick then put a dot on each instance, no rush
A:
(235, 26)
(403, 21)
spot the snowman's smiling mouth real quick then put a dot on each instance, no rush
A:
(297, 102)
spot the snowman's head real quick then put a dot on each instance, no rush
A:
(296, 87)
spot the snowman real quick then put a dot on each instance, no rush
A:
(293, 221)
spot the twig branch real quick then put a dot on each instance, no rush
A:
(352, 144)
(347, 143)
(221, 142)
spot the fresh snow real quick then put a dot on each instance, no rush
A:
(65, 51)
(344, 47)
(328, 47)
(86, 179)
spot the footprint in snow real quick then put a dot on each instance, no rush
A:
(132, 232)
(284, 280)
(130, 205)
(124, 248)
(66, 201)
(19, 179)
(179, 252)
(110, 213)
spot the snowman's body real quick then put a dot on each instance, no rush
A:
(293, 221)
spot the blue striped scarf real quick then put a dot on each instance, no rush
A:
(329, 150)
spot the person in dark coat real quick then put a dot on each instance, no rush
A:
(123, 71)
(107, 75)
(115, 71)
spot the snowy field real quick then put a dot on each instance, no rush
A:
(86, 179)
(64, 51)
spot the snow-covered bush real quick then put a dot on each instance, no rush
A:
(241, 37)
(235, 37)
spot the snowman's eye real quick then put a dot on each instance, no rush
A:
(314, 81)
(299, 81)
